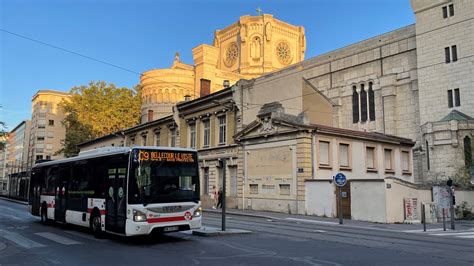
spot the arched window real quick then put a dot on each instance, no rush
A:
(355, 105)
(363, 103)
(427, 155)
(467, 151)
(371, 103)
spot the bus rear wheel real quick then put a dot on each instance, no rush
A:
(96, 225)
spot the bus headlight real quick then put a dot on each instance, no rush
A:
(139, 216)
(198, 212)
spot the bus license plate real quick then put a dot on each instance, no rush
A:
(171, 228)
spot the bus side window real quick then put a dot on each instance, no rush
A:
(51, 180)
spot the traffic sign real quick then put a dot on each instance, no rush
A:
(340, 179)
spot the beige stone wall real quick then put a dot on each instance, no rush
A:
(45, 108)
(434, 33)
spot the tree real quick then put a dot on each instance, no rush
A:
(97, 110)
(3, 135)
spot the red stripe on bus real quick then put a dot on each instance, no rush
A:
(165, 219)
(102, 212)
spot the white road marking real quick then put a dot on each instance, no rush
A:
(454, 234)
(309, 221)
(468, 236)
(421, 230)
(20, 240)
(83, 235)
(58, 239)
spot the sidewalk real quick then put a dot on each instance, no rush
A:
(460, 224)
(13, 200)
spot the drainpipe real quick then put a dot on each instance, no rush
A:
(313, 163)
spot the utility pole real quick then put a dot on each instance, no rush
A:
(223, 165)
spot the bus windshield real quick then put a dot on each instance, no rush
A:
(163, 177)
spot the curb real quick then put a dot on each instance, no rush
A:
(13, 200)
(216, 232)
(243, 214)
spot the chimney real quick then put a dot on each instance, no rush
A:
(226, 84)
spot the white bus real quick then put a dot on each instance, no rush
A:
(122, 190)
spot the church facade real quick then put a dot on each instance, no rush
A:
(252, 46)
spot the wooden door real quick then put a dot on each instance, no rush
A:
(346, 200)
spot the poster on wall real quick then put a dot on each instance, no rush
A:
(411, 210)
(441, 198)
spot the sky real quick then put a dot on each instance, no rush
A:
(139, 35)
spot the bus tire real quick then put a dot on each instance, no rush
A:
(96, 225)
(44, 214)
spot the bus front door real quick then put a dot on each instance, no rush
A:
(116, 199)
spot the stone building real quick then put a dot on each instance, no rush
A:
(16, 164)
(47, 130)
(414, 82)
(252, 46)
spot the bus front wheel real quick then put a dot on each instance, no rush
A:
(96, 225)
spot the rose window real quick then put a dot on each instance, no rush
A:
(231, 55)
(283, 53)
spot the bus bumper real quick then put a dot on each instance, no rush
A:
(145, 228)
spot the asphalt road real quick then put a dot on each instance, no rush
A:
(24, 241)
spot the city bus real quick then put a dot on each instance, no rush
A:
(120, 190)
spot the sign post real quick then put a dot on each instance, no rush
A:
(449, 185)
(340, 180)
(223, 166)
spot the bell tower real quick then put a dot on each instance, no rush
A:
(259, 44)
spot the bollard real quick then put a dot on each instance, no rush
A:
(444, 219)
(423, 216)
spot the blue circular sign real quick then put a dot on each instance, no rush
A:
(340, 179)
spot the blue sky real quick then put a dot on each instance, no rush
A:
(143, 34)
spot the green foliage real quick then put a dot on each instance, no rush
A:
(462, 179)
(97, 110)
(3, 135)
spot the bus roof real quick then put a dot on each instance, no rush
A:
(106, 151)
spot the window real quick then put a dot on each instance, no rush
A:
(144, 139)
(50, 134)
(253, 188)
(427, 155)
(48, 157)
(206, 180)
(205, 87)
(406, 161)
(445, 11)
(447, 55)
(370, 158)
(284, 189)
(192, 135)
(41, 123)
(467, 151)
(363, 104)
(451, 54)
(371, 102)
(132, 141)
(454, 53)
(355, 105)
(344, 158)
(50, 123)
(157, 138)
(388, 160)
(173, 137)
(454, 98)
(40, 138)
(207, 132)
(222, 129)
(39, 157)
(324, 151)
(150, 115)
